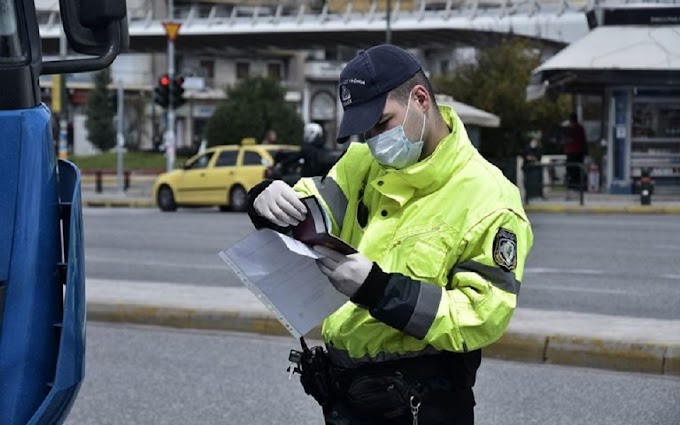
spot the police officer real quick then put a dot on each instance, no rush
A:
(441, 237)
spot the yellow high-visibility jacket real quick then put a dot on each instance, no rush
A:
(450, 237)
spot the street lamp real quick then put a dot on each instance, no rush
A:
(388, 18)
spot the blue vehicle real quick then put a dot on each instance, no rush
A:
(42, 281)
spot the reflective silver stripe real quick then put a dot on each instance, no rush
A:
(334, 196)
(425, 310)
(342, 359)
(497, 276)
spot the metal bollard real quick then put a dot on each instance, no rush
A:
(98, 181)
(646, 187)
(126, 180)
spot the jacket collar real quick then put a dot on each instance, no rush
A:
(428, 175)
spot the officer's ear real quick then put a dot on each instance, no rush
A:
(422, 96)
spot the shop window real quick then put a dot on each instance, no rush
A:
(207, 68)
(444, 67)
(242, 70)
(274, 71)
(655, 138)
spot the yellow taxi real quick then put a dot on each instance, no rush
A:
(220, 176)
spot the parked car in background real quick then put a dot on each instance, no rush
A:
(220, 176)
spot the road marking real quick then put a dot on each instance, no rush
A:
(590, 272)
(146, 233)
(98, 211)
(674, 247)
(548, 270)
(581, 289)
(157, 263)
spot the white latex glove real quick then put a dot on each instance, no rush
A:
(346, 272)
(280, 204)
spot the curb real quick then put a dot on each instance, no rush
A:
(662, 359)
(557, 209)
(118, 203)
(604, 209)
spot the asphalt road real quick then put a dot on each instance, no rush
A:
(160, 376)
(611, 264)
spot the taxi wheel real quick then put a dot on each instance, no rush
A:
(166, 199)
(238, 199)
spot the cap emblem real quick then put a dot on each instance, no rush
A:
(345, 95)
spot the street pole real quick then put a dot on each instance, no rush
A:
(388, 18)
(63, 119)
(119, 137)
(170, 131)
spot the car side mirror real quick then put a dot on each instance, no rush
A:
(96, 28)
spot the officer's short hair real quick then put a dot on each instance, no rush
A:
(401, 93)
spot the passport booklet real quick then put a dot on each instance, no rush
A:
(315, 229)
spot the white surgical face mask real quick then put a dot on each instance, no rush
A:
(392, 148)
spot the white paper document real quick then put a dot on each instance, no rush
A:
(283, 274)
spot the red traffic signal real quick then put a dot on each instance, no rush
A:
(169, 93)
(162, 91)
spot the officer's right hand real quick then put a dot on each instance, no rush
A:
(280, 204)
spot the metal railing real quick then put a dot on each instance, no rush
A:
(274, 11)
(538, 179)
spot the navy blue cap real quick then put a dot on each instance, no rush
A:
(365, 83)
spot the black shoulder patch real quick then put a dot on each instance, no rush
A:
(505, 249)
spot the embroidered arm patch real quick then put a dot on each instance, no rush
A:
(505, 249)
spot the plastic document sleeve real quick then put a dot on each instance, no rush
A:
(283, 275)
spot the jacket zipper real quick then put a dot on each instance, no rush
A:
(415, 235)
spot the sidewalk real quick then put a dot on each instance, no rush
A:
(593, 205)
(602, 203)
(554, 337)
(140, 195)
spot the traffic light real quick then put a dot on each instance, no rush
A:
(162, 91)
(178, 92)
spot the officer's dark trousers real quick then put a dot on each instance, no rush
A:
(443, 387)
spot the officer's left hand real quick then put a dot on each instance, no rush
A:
(346, 272)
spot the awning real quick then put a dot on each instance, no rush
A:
(469, 114)
(612, 55)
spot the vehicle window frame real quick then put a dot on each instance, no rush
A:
(192, 165)
(261, 157)
(236, 158)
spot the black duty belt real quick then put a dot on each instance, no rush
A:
(459, 368)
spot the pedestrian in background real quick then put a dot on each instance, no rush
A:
(531, 167)
(441, 237)
(575, 148)
(270, 138)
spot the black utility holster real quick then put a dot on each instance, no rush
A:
(315, 372)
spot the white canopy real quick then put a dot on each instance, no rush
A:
(469, 114)
(612, 48)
